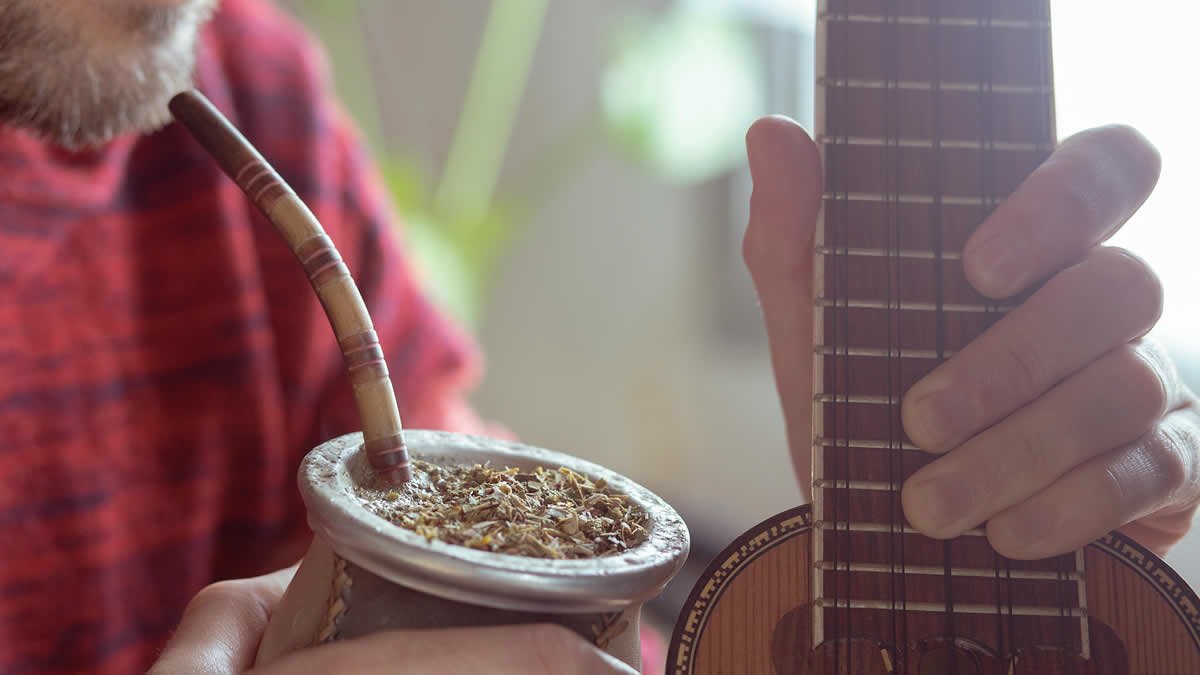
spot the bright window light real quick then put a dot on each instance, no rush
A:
(1135, 63)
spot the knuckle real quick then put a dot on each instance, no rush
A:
(765, 255)
(219, 593)
(752, 248)
(1116, 485)
(1172, 460)
(1135, 283)
(1142, 393)
(234, 597)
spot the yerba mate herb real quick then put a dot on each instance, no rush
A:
(542, 514)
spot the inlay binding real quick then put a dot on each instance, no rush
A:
(928, 114)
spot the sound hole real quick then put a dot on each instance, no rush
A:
(947, 660)
(792, 652)
(852, 656)
(943, 656)
(1109, 656)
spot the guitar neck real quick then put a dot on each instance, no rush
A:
(929, 112)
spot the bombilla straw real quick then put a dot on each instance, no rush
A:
(383, 440)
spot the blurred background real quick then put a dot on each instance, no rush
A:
(572, 178)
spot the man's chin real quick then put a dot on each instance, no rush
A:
(108, 77)
(76, 137)
(75, 122)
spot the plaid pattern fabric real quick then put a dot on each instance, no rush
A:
(164, 364)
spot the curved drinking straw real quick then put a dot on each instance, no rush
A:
(382, 434)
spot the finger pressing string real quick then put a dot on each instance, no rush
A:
(1159, 471)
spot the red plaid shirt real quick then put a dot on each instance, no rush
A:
(164, 364)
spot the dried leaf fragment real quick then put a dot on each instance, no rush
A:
(556, 513)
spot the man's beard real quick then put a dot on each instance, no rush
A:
(81, 72)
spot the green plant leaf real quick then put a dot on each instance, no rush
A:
(680, 92)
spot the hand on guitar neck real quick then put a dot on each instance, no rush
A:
(1061, 422)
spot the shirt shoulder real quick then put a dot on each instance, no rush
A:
(255, 42)
(265, 71)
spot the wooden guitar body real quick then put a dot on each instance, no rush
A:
(751, 614)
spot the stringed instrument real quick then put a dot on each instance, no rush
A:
(929, 113)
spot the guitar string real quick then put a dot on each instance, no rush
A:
(844, 457)
(895, 456)
(832, 413)
(841, 424)
(900, 460)
(940, 296)
(889, 231)
(886, 222)
(886, 53)
(1045, 135)
(849, 336)
(989, 198)
(885, 176)
(986, 101)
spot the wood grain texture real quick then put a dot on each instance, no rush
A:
(750, 614)
(730, 618)
(329, 276)
(1145, 602)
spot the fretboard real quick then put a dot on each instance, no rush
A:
(929, 112)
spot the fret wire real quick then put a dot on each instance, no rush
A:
(862, 303)
(824, 442)
(957, 22)
(862, 399)
(947, 200)
(958, 608)
(880, 352)
(908, 254)
(952, 144)
(919, 85)
(929, 570)
(869, 485)
(843, 526)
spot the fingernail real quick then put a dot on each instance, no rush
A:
(938, 505)
(997, 265)
(936, 417)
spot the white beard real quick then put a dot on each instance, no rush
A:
(81, 72)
